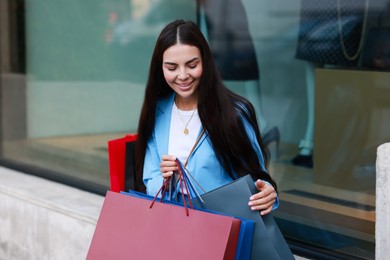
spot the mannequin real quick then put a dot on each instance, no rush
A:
(337, 45)
(306, 145)
(225, 26)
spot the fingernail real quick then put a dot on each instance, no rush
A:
(250, 203)
(251, 198)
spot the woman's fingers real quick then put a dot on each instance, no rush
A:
(263, 200)
(168, 166)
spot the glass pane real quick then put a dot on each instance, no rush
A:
(309, 95)
(329, 107)
(87, 65)
(321, 94)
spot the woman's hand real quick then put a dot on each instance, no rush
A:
(264, 199)
(168, 166)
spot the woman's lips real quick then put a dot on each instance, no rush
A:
(184, 86)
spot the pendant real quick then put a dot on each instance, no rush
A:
(186, 131)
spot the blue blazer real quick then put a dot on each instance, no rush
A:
(203, 164)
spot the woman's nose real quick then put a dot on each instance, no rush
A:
(182, 74)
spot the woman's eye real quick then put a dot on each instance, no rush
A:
(171, 68)
(192, 66)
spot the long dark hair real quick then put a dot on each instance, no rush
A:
(220, 110)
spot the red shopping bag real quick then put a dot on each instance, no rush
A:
(129, 228)
(121, 160)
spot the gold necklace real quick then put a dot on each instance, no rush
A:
(186, 131)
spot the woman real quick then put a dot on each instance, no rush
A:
(184, 96)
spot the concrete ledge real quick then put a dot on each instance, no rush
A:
(382, 226)
(41, 219)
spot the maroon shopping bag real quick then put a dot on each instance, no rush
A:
(129, 228)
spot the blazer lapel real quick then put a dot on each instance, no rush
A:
(163, 122)
(202, 138)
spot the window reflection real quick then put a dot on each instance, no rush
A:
(86, 66)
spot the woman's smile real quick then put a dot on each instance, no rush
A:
(185, 85)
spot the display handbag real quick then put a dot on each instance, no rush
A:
(268, 242)
(331, 31)
(134, 227)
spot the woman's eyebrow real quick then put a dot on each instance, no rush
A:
(169, 63)
(172, 63)
(192, 60)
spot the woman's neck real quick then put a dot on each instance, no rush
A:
(185, 104)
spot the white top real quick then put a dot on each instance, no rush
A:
(181, 144)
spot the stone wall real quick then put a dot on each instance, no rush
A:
(40, 219)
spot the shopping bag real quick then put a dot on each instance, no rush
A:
(129, 228)
(245, 237)
(121, 158)
(268, 241)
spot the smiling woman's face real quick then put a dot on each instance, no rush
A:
(182, 67)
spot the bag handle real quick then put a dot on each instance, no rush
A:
(186, 162)
(185, 174)
(186, 171)
(185, 187)
(341, 35)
